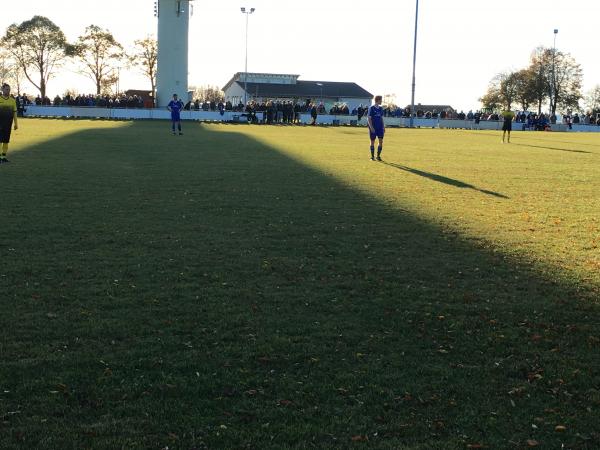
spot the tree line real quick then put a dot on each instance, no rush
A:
(552, 78)
(37, 48)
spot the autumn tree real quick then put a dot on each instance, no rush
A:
(524, 80)
(539, 70)
(100, 53)
(38, 47)
(145, 57)
(491, 99)
(567, 80)
(557, 77)
(502, 91)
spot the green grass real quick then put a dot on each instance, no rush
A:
(271, 288)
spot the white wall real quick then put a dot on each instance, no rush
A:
(229, 116)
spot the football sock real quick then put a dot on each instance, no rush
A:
(372, 151)
(379, 150)
(4, 149)
(179, 127)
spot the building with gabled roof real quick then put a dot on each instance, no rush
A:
(285, 87)
(433, 108)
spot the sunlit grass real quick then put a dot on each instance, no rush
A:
(537, 197)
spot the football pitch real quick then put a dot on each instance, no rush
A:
(270, 287)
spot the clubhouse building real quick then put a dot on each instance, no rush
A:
(261, 87)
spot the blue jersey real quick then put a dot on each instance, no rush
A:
(376, 115)
(176, 107)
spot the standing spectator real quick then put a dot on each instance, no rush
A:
(477, 119)
(313, 114)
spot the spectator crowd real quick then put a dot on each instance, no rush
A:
(288, 111)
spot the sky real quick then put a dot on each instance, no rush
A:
(462, 44)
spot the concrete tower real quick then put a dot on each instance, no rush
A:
(172, 70)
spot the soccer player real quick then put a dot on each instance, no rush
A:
(175, 106)
(376, 127)
(8, 118)
(507, 125)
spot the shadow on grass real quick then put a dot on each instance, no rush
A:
(443, 179)
(209, 291)
(545, 147)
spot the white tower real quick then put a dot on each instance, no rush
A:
(172, 70)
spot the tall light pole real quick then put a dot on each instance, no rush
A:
(247, 13)
(118, 79)
(553, 88)
(412, 101)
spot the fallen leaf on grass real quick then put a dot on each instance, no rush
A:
(560, 428)
(359, 438)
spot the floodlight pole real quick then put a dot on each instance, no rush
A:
(553, 88)
(412, 101)
(321, 86)
(247, 13)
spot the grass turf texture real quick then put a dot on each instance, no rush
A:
(272, 288)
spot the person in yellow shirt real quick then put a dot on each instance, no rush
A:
(8, 119)
(507, 125)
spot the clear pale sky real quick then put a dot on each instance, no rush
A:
(462, 44)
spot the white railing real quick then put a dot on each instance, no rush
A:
(305, 118)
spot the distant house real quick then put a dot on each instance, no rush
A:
(145, 95)
(268, 86)
(433, 108)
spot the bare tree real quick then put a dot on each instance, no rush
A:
(208, 93)
(39, 47)
(99, 53)
(145, 57)
(10, 72)
(592, 100)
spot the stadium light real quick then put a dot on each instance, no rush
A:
(247, 13)
(412, 101)
(553, 89)
(321, 86)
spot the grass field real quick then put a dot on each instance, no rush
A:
(248, 287)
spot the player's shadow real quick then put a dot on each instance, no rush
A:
(545, 147)
(443, 179)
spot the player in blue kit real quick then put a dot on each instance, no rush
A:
(376, 127)
(175, 106)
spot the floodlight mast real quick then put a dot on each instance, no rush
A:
(247, 13)
(553, 87)
(412, 101)
(172, 65)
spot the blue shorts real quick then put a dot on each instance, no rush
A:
(175, 117)
(377, 134)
